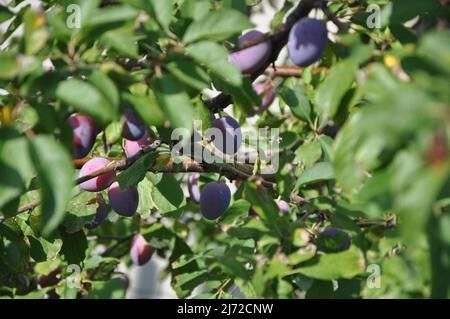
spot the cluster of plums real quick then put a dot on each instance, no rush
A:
(307, 41)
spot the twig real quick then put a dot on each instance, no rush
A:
(290, 71)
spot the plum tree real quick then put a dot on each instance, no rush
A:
(133, 128)
(228, 136)
(267, 93)
(193, 188)
(141, 251)
(307, 41)
(250, 59)
(214, 200)
(124, 202)
(133, 147)
(283, 206)
(100, 182)
(84, 134)
(332, 239)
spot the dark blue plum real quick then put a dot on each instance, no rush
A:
(307, 41)
(250, 59)
(100, 214)
(83, 134)
(226, 134)
(133, 128)
(126, 202)
(214, 200)
(193, 188)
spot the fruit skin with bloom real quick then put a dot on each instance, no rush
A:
(133, 147)
(307, 41)
(214, 200)
(250, 59)
(100, 182)
(125, 202)
(226, 134)
(100, 214)
(84, 133)
(141, 251)
(267, 93)
(133, 128)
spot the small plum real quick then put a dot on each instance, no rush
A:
(214, 200)
(226, 134)
(333, 240)
(267, 93)
(126, 202)
(307, 40)
(193, 188)
(100, 214)
(141, 251)
(283, 206)
(100, 182)
(133, 128)
(133, 147)
(83, 134)
(250, 59)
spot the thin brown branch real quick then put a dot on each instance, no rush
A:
(290, 71)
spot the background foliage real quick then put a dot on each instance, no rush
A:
(384, 179)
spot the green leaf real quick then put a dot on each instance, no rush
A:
(136, 172)
(123, 42)
(347, 265)
(5, 14)
(74, 247)
(146, 107)
(189, 74)
(333, 89)
(218, 25)
(297, 101)
(167, 194)
(80, 211)
(106, 87)
(112, 289)
(308, 153)
(184, 284)
(55, 172)
(9, 66)
(215, 58)
(235, 212)
(318, 173)
(111, 14)
(174, 101)
(16, 171)
(163, 12)
(86, 98)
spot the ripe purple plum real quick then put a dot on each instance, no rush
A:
(250, 59)
(307, 41)
(333, 240)
(283, 206)
(124, 202)
(214, 200)
(100, 182)
(141, 251)
(133, 147)
(193, 188)
(267, 93)
(133, 128)
(100, 214)
(226, 134)
(83, 134)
